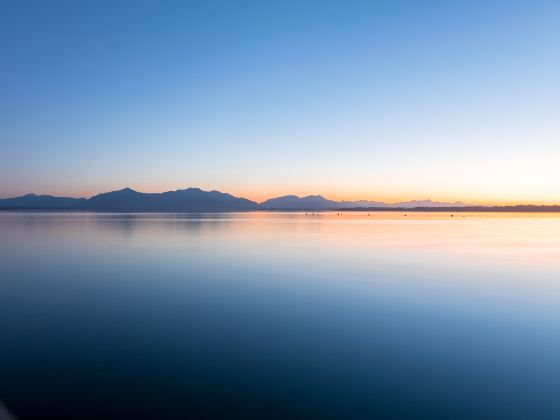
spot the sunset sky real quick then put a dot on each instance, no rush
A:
(379, 100)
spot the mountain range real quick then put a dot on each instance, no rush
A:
(193, 200)
(128, 200)
(318, 202)
(196, 200)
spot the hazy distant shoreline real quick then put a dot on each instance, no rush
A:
(476, 209)
(467, 209)
(195, 200)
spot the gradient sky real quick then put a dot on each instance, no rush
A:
(395, 100)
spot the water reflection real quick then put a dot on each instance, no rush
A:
(279, 315)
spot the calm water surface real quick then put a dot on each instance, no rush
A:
(280, 315)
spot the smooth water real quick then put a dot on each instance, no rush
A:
(280, 316)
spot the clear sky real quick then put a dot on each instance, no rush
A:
(381, 100)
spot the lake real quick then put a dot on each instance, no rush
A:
(280, 315)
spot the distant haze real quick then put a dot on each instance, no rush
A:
(195, 200)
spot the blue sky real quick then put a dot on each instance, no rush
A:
(351, 99)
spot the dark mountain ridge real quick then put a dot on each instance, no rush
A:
(128, 200)
(187, 200)
(318, 202)
(195, 200)
(33, 201)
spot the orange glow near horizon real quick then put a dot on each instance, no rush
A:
(337, 194)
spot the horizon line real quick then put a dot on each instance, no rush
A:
(450, 202)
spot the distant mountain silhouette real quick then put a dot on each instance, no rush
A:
(427, 203)
(33, 201)
(195, 200)
(318, 202)
(128, 200)
(293, 202)
(189, 200)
